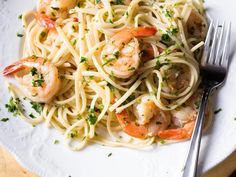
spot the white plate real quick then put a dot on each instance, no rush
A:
(34, 147)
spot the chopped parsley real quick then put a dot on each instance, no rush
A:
(20, 16)
(235, 118)
(92, 118)
(110, 21)
(108, 60)
(73, 134)
(32, 115)
(4, 119)
(74, 42)
(38, 107)
(38, 82)
(74, 28)
(158, 63)
(162, 141)
(56, 142)
(43, 34)
(19, 35)
(98, 1)
(55, 8)
(172, 30)
(126, 14)
(119, 2)
(165, 38)
(109, 155)
(131, 69)
(12, 106)
(33, 71)
(83, 59)
(116, 54)
(217, 111)
(168, 13)
(39, 77)
(111, 87)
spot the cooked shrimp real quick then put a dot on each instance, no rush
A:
(55, 8)
(195, 25)
(45, 21)
(147, 120)
(176, 78)
(38, 78)
(184, 118)
(120, 57)
(179, 133)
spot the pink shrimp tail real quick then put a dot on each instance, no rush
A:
(130, 127)
(12, 68)
(21, 64)
(143, 32)
(125, 35)
(179, 133)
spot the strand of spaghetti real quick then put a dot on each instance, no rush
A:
(68, 44)
(80, 145)
(105, 76)
(200, 44)
(121, 108)
(125, 96)
(48, 113)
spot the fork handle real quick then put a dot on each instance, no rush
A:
(190, 169)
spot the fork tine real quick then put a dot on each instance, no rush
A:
(214, 44)
(207, 44)
(219, 47)
(225, 57)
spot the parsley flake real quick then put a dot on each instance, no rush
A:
(162, 141)
(56, 142)
(168, 13)
(108, 61)
(217, 111)
(38, 82)
(19, 35)
(92, 118)
(55, 8)
(4, 119)
(119, 2)
(116, 54)
(12, 106)
(165, 38)
(38, 107)
(20, 16)
(83, 59)
(33, 71)
(32, 115)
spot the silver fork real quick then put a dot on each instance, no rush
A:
(214, 67)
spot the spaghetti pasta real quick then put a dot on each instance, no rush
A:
(101, 98)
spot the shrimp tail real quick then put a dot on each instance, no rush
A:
(143, 32)
(12, 69)
(21, 64)
(45, 21)
(130, 127)
(125, 35)
(179, 133)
